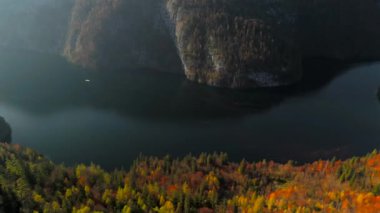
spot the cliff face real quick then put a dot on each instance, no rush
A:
(119, 34)
(226, 43)
(234, 43)
(215, 43)
(220, 47)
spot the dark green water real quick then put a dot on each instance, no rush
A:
(116, 116)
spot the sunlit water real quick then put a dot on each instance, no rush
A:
(109, 118)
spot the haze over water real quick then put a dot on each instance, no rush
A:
(113, 117)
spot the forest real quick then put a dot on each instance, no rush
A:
(204, 183)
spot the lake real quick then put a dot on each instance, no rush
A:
(76, 116)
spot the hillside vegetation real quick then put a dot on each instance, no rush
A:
(205, 183)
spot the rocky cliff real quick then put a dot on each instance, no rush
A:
(213, 42)
(226, 43)
(120, 34)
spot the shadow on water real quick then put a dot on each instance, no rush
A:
(43, 83)
(5, 131)
(63, 111)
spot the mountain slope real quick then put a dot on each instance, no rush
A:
(224, 43)
(205, 183)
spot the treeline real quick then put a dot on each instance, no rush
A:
(205, 183)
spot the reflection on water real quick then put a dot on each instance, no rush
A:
(46, 84)
(74, 115)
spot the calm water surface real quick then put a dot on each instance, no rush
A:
(116, 116)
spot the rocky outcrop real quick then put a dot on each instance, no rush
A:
(222, 43)
(209, 40)
(221, 47)
(119, 34)
(5, 131)
(225, 43)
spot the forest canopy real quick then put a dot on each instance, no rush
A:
(204, 183)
